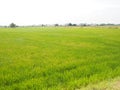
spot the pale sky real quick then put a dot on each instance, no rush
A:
(29, 12)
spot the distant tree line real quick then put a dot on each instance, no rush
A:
(85, 24)
(13, 25)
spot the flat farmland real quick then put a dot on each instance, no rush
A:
(58, 58)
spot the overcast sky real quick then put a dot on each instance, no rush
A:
(29, 12)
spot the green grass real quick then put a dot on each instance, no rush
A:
(58, 58)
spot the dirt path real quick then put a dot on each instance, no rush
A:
(116, 85)
(106, 85)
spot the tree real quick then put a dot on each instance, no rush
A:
(56, 25)
(74, 24)
(12, 25)
(83, 24)
(69, 24)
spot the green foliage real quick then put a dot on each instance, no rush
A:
(12, 25)
(56, 25)
(57, 58)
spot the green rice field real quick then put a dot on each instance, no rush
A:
(58, 58)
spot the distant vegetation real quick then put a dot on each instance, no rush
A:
(13, 25)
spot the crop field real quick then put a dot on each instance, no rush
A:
(58, 58)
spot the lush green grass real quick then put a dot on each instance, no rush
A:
(55, 58)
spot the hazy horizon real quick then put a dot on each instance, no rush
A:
(30, 12)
